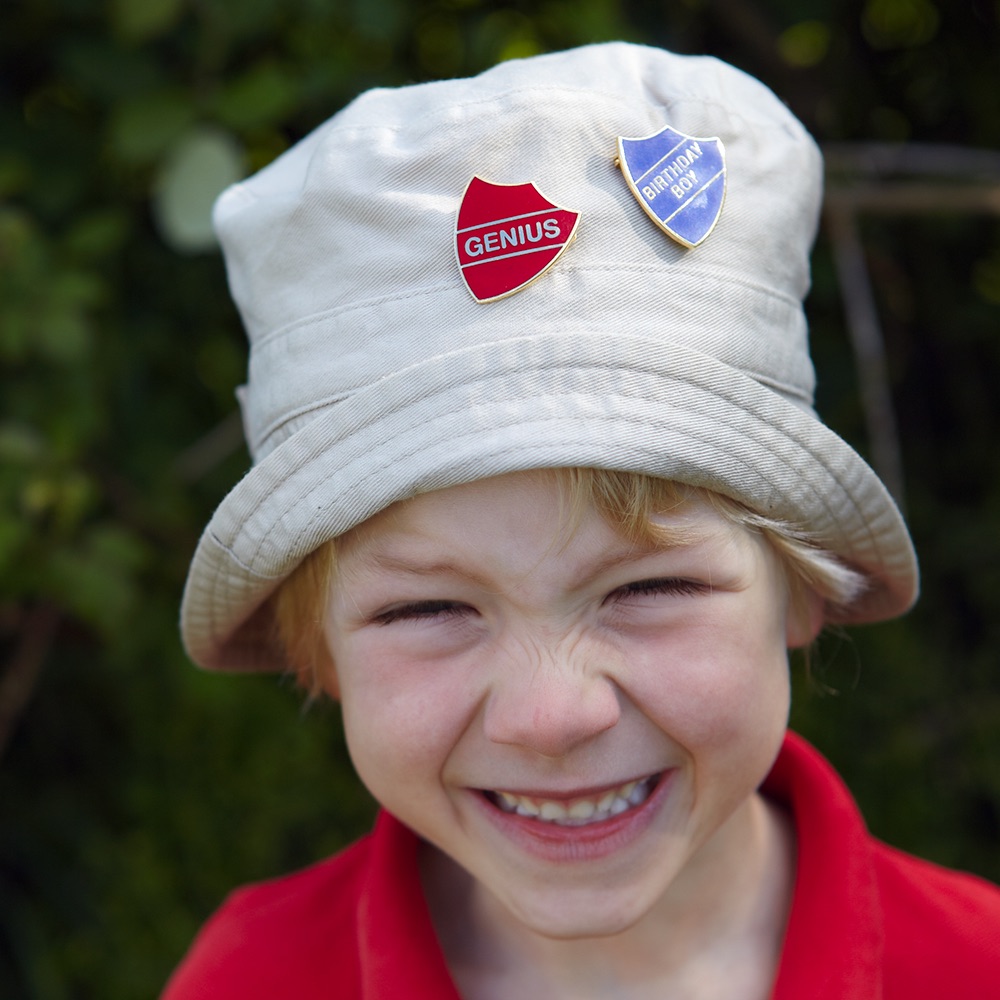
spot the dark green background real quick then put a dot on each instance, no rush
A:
(135, 790)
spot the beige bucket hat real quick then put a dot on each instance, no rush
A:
(375, 375)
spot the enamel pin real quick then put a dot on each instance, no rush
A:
(679, 180)
(507, 235)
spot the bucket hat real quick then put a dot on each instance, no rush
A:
(376, 373)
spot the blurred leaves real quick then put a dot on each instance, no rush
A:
(136, 21)
(137, 791)
(142, 128)
(804, 44)
(264, 95)
(897, 24)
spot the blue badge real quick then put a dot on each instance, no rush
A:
(679, 180)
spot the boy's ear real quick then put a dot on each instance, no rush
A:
(805, 619)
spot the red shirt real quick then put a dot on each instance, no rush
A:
(867, 922)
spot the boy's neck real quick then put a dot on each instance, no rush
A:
(716, 933)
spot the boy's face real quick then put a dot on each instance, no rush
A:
(492, 667)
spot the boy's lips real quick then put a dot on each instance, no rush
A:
(579, 809)
(565, 833)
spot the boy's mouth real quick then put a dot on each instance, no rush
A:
(580, 811)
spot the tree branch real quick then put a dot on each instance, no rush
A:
(20, 676)
(898, 198)
(868, 346)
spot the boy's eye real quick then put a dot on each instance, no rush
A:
(662, 585)
(417, 610)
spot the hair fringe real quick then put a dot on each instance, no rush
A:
(630, 503)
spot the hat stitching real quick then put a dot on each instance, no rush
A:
(290, 417)
(287, 417)
(715, 273)
(570, 267)
(509, 369)
(339, 310)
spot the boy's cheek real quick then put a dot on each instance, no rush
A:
(395, 754)
(404, 710)
(718, 704)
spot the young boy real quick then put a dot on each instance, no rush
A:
(540, 497)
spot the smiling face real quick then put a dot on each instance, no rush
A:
(579, 722)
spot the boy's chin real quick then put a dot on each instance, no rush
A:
(562, 916)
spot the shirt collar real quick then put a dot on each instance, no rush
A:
(399, 950)
(834, 942)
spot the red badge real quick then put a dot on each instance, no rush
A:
(507, 235)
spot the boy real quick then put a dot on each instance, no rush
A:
(540, 497)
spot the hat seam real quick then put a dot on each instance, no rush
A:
(260, 440)
(261, 437)
(347, 308)
(571, 268)
(230, 552)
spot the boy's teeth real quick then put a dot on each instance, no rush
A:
(580, 811)
(553, 811)
(506, 801)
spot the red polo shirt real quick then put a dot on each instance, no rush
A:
(867, 922)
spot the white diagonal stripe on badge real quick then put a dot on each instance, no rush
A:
(512, 218)
(517, 253)
(694, 195)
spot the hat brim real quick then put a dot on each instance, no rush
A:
(554, 400)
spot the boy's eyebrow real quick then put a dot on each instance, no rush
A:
(586, 573)
(638, 552)
(420, 567)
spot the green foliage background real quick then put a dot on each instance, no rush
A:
(135, 790)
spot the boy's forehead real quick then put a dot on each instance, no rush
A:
(533, 504)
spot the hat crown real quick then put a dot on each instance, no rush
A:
(341, 253)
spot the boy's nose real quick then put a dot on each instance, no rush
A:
(551, 705)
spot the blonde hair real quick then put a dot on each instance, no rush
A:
(630, 503)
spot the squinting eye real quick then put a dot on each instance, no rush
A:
(665, 585)
(418, 610)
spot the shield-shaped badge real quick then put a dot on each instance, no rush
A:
(679, 180)
(507, 235)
